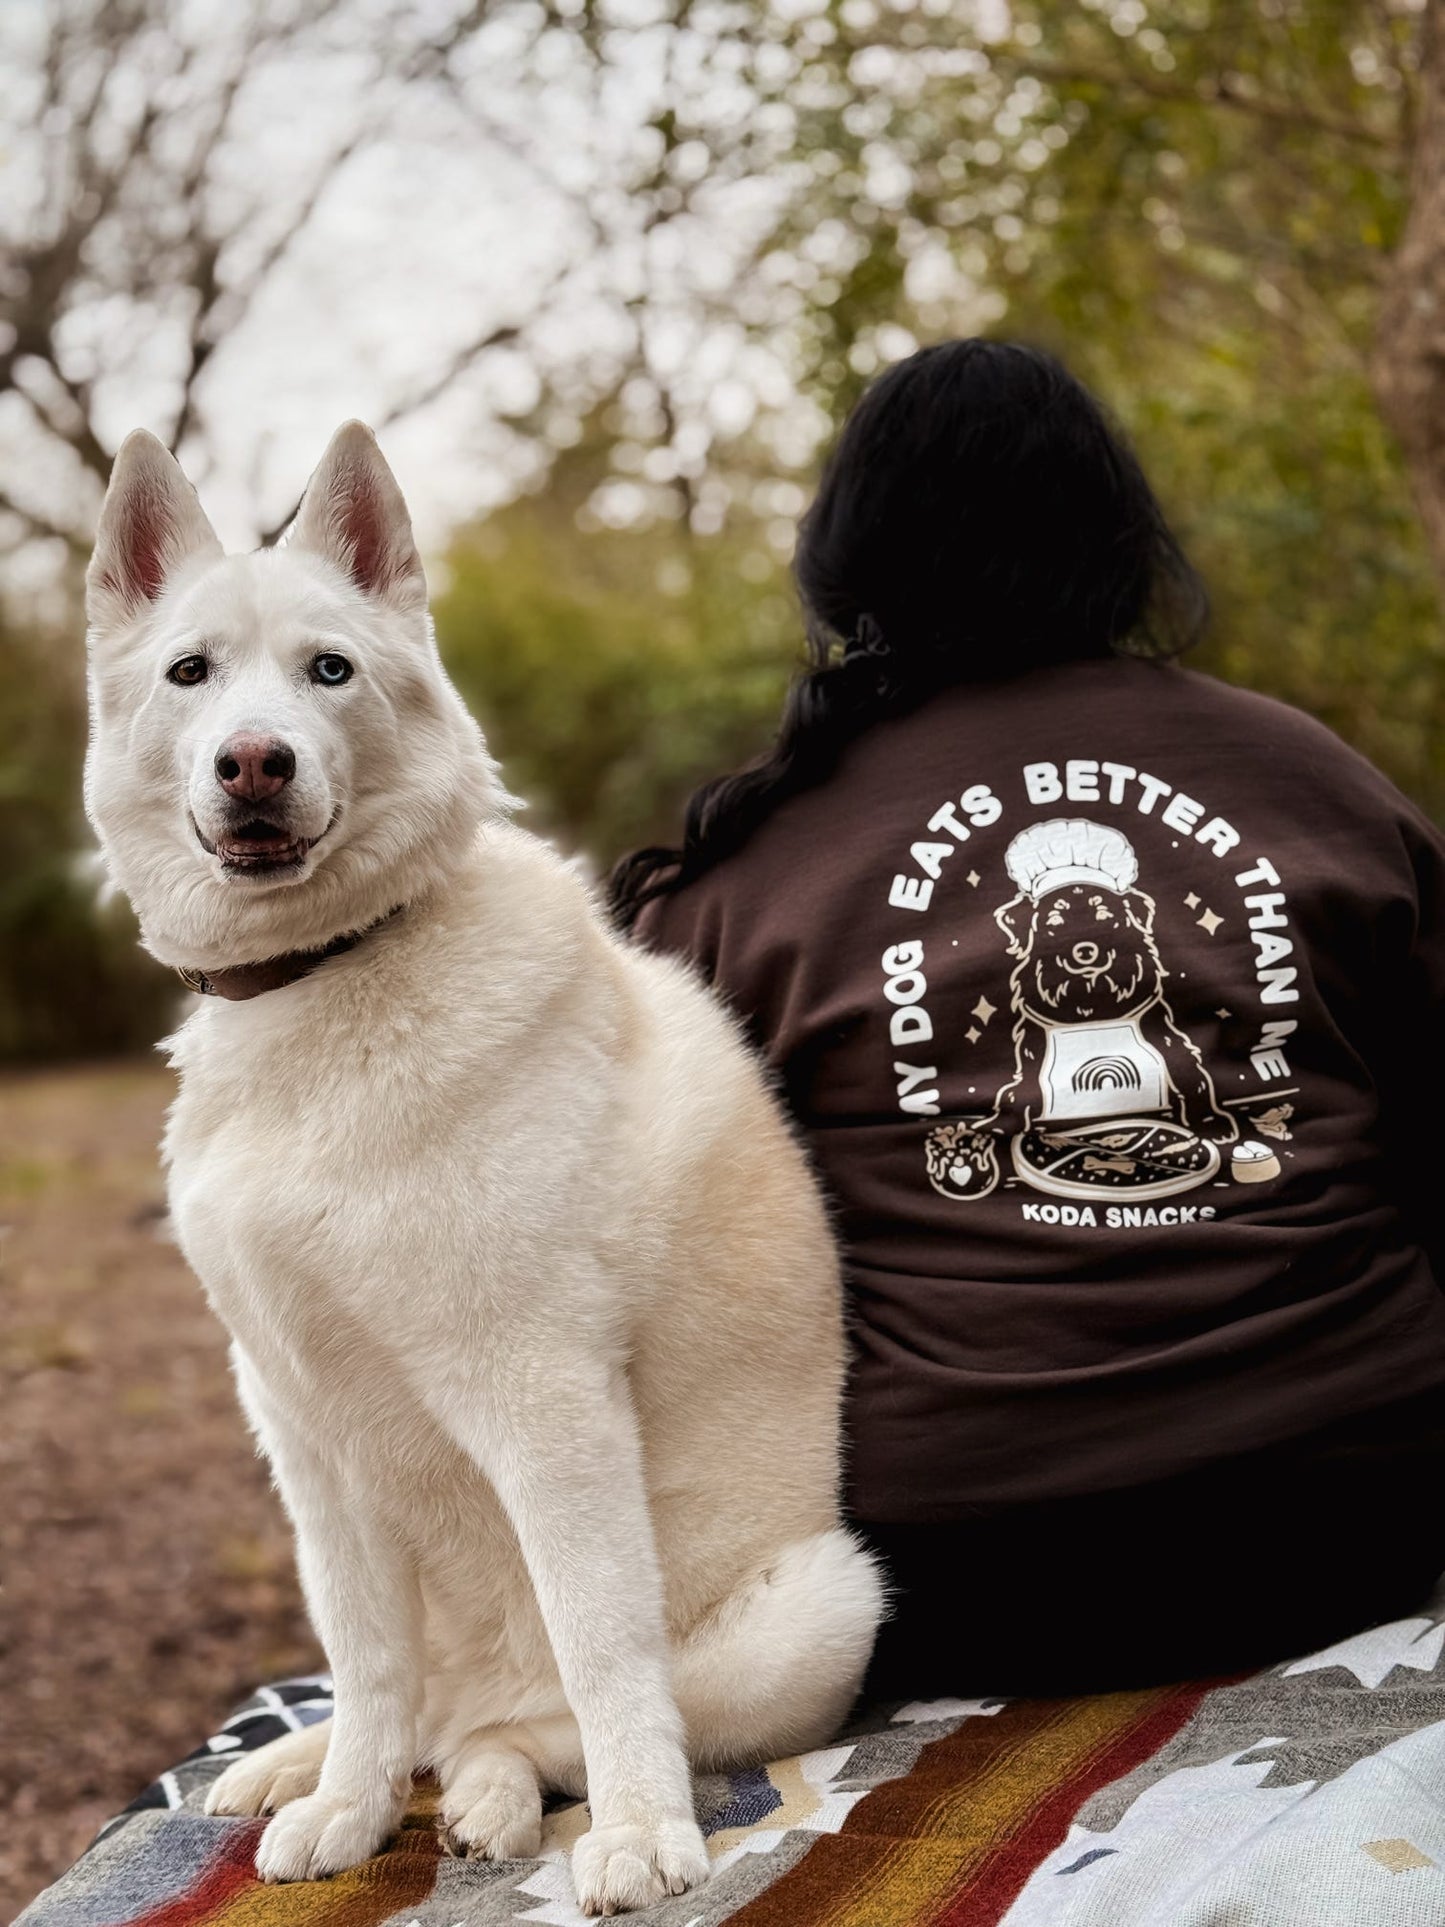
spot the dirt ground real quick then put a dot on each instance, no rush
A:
(146, 1582)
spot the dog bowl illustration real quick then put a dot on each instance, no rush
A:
(1253, 1163)
(962, 1159)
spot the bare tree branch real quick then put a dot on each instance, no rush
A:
(231, 303)
(78, 434)
(205, 250)
(456, 365)
(220, 307)
(102, 169)
(40, 524)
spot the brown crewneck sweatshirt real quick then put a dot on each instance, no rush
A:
(1109, 1003)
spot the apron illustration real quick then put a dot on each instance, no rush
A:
(1100, 1070)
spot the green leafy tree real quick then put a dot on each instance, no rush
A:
(72, 977)
(613, 667)
(1208, 207)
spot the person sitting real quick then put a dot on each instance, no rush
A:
(1107, 1000)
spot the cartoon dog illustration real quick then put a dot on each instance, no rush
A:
(1108, 1093)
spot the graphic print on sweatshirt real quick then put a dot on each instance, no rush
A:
(1108, 1101)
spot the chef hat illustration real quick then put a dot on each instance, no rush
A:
(1047, 856)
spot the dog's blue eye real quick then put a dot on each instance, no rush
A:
(188, 671)
(331, 670)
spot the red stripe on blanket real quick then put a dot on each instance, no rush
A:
(223, 1876)
(227, 1893)
(951, 1843)
(1001, 1877)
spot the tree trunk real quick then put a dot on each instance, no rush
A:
(1408, 364)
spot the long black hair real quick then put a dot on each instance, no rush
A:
(981, 516)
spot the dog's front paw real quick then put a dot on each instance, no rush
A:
(621, 1867)
(262, 1782)
(499, 1824)
(319, 1835)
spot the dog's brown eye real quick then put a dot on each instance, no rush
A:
(188, 671)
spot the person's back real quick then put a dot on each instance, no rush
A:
(1107, 998)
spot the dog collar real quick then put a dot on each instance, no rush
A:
(238, 982)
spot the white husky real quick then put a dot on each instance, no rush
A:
(535, 1309)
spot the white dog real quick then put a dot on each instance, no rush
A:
(536, 1313)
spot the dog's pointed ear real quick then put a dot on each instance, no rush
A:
(354, 515)
(150, 523)
(1015, 919)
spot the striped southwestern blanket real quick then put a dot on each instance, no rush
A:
(1309, 1795)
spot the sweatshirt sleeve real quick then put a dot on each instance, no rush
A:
(700, 925)
(672, 925)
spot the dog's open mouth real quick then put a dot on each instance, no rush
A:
(256, 847)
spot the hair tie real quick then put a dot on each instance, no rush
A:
(868, 646)
(867, 640)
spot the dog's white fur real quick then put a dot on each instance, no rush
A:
(535, 1310)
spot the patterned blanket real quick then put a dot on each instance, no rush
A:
(1310, 1795)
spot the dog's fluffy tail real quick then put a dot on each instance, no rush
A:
(775, 1667)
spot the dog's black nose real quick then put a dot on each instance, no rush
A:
(254, 767)
(1086, 953)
